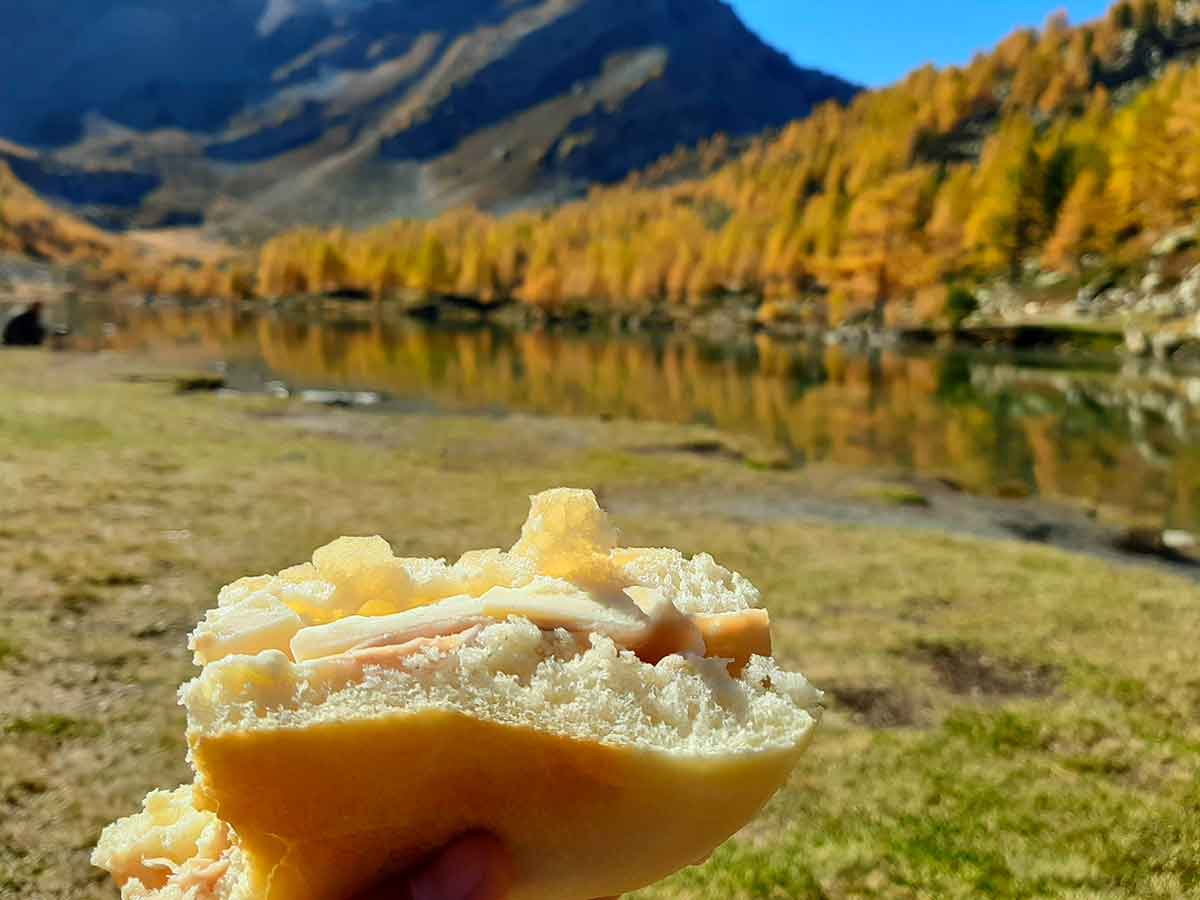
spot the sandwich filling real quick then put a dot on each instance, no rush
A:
(360, 632)
(357, 600)
(171, 850)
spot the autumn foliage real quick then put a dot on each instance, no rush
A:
(1067, 148)
(31, 227)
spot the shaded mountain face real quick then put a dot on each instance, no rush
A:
(261, 113)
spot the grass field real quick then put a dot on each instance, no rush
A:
(1005, 720)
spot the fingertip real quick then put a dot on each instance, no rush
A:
(474, 867)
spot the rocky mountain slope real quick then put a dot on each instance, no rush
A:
(1055, 179)
(254, 114)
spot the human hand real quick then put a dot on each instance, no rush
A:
(474, 867)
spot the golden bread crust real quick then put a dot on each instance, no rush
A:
(323, 812)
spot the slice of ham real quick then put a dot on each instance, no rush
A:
(200, 877)
(394, 656)
(736, 636)
(667, 631)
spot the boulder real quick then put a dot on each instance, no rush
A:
(1136, 342)
(1175, 241)
(1151, 283)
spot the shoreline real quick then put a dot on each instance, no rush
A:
(925, 500)
(1004, 324)
(824, 492)
(1080, 341)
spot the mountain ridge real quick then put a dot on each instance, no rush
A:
(375, 109)
(1059, 173)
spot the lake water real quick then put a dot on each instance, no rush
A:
(1123, 439)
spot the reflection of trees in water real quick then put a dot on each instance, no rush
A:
(1103, 438)
(1127, 438)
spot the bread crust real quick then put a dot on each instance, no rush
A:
(325, 811)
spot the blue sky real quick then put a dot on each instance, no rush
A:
(875, 42)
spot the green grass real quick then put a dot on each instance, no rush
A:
(34, 429)
(52, 726)
(1005, 720)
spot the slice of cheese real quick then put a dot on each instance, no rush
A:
(548, 603)
(647, 624)
(363, 632)
(259, 622)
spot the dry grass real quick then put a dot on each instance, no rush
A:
(171, 261)
(1007, 721)
(30, 226)
(189, 243)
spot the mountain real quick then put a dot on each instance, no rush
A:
(1065, 162)
(254, 114)
(30, 227)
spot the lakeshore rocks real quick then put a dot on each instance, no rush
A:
(1179, 540)
(1175, 241)
(1171, 546)
(1046, 280)
(1136, 342)
(346, 399)
(25, 329)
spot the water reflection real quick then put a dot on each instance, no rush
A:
(1128, 439)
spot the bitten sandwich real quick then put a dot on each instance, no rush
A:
(611, 715)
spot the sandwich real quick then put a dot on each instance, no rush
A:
(611, 715)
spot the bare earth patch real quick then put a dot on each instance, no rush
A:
(874, 707)
(969, 671)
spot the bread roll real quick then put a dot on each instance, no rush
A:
(611, 715)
